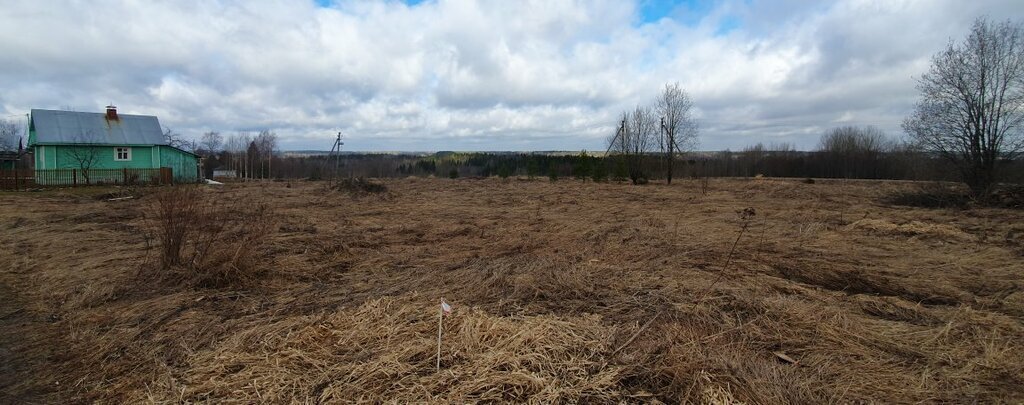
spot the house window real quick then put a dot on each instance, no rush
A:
(122, 153)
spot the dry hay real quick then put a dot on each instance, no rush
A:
(384, 350)
(563, 292)
(912, 228)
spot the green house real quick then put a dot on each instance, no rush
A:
(104, 147)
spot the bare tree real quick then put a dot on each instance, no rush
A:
(178, 141)
(266, 143)
(84, 154)
(634, 140)
(853, 140)
(10, 135)
(678, 128)
(854, 151)
(236, 147)
(972, 104)
(211, 142)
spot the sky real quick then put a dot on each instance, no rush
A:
(515, 75)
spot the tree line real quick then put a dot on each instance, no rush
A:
(844, 152)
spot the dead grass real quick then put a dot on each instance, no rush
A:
(912, 228)
(563, 292)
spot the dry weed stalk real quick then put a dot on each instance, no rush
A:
(745, 215)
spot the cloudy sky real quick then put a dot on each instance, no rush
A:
(478, 75)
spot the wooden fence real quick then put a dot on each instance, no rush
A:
(21, 179)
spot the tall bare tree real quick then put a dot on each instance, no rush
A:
(237, 151)
(266, 144)
(972, 104)
(211, 142)
(634, 140)
(10, 135)
(678, 128)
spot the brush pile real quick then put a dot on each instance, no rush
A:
(359, 186)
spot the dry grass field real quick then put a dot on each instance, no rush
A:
(562, 292)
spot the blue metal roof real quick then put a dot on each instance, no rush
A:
(72, 127)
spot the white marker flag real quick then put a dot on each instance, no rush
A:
(445, 309)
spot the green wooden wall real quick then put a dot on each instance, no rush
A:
(182, 163)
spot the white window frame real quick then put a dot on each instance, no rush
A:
(127, 151)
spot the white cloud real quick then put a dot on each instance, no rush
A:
(462, 74)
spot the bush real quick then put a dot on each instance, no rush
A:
(930, 196)
(504, 171)
(938, 195)
(453, 174)
(207, 243)
(315, 174)
(359, 186)
(599, 172)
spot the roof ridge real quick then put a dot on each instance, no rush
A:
(90, 112)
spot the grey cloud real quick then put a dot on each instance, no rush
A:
(489, 75)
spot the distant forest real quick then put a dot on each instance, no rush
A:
(845, 152)
(750, 162)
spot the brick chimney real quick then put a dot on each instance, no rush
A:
(111, 113)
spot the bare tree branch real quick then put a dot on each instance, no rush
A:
(972, 106)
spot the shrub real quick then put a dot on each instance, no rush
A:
(453, 174)
(532, 168)
(174, 213)
(931, 195)
(504, 171)
(315, 174)
(204, 242)
(599, 172)
(581, 168)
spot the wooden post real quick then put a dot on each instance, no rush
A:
(74, 177)
(124, 176)
(15, 177)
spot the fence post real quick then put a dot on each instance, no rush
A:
(74, 177)
(15, 177)
(124, 176)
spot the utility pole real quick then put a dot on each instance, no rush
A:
(618, 133)
(336, 153)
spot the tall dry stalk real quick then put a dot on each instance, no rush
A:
(745, 215)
